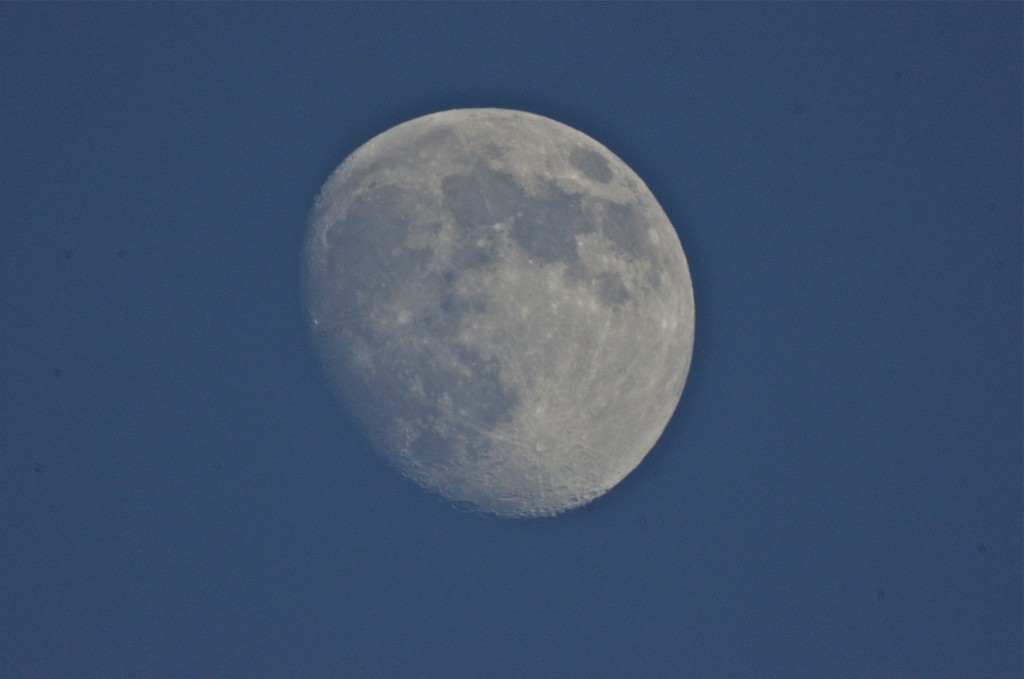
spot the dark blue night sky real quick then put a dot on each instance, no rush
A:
(839, 493)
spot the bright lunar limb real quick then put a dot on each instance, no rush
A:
(502, 305)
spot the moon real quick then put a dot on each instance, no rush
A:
(503, 308)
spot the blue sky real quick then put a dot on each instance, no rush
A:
(838, 494)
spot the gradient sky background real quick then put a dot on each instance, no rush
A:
(838, 494)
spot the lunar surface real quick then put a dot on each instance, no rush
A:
(503, 307)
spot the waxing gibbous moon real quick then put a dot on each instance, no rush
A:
(503, 307)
